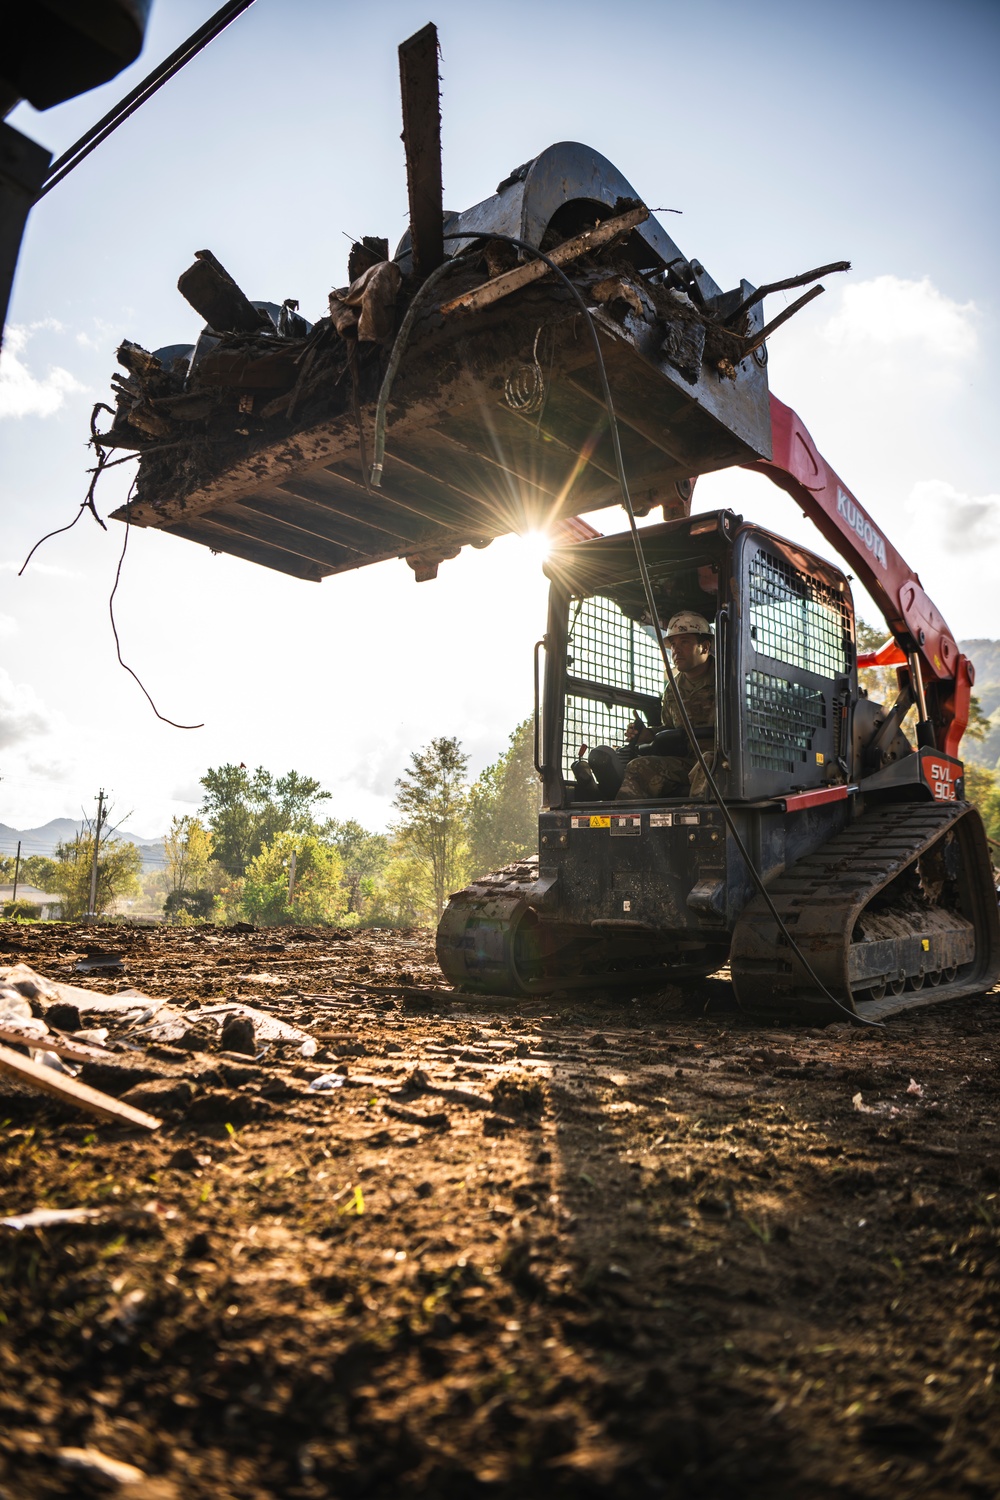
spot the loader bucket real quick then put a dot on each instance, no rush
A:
(258, 442)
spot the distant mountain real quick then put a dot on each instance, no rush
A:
(40, 840)
(43, 840)
(985, 657)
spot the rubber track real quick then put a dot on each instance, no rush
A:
(476, 942)
(822, 896)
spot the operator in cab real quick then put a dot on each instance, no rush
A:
(689, 638)
(631, 773)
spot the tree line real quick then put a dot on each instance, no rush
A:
(260, 850)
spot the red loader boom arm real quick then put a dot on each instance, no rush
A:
(940, 676)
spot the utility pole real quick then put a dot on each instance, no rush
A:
(291, 876)
(91, 913)
(17, 869)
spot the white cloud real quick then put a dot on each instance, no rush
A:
(962, 523)
(865, 375)
(23, 394)
(8, 627)
(891, 316)
(188, 791)
(377, 771)
(103, 337)
(22, 713)
(49, 770)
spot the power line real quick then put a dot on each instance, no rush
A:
(88, 142)
(151, 854)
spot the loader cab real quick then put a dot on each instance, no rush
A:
(784, 657)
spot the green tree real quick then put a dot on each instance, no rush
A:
(503, 805)
(318, 894)
(880, 684)
(181, 905)
(404, 895)
(229, 899)
(365, 856)
(35, 869)
(870, 637)
(431, 799)
(981, 741)
(983, 791)
(189, 869)
(119, 865)
(246, 811)
(979, 725)
(187, 849)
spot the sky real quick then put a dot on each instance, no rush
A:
(787, 134)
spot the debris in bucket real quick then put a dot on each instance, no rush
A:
(262, 436)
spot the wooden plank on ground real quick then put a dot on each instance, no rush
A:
(62, 1086)
(61, 1046)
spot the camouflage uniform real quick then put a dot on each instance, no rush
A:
(675, 775)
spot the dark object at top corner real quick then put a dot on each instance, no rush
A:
(56, 49)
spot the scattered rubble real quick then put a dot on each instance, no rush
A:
(561, 1247)
(91, 1464)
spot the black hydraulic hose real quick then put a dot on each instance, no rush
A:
(142, 91)
(415, 306)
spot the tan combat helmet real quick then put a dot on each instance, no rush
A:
(687, 622)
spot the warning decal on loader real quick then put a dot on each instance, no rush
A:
(590, 822)
(941, 775)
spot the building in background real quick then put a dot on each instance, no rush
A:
(49, 907)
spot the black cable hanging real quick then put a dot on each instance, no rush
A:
(89, 503)
(114, 626)
(380, 421)
(88, 142)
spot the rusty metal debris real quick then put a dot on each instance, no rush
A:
(254, 440)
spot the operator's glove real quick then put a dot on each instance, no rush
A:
(667, 742)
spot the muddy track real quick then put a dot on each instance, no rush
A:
(643, 1248)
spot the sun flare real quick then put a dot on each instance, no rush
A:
(537, 544)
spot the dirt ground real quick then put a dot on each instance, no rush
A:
(571, 1248)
